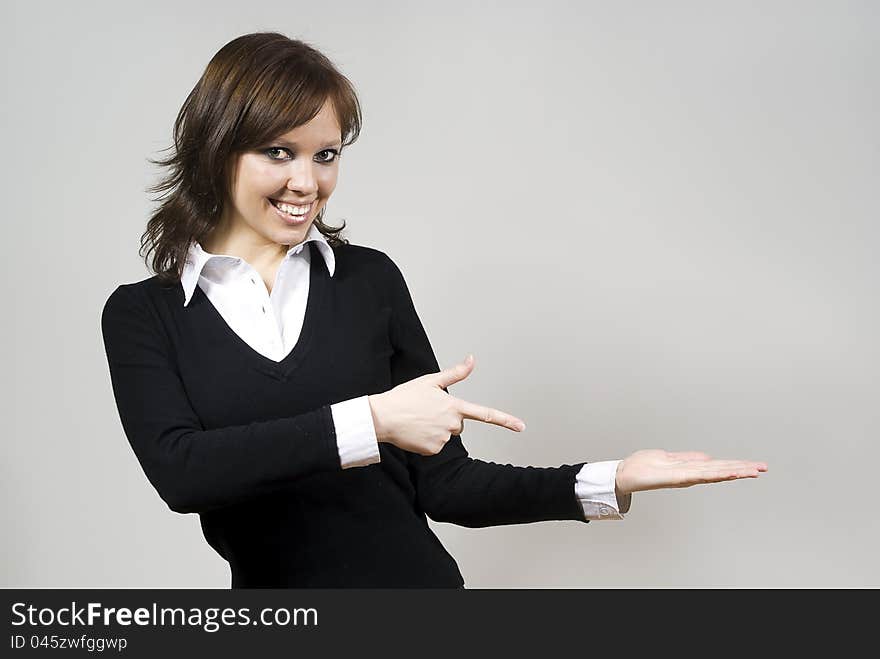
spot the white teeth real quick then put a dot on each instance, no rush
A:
(293, 210)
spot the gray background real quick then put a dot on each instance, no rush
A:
(694, 267)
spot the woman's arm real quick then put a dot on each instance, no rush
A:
(193, 469)
(453, 487)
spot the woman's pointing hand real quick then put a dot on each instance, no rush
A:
(418, 416)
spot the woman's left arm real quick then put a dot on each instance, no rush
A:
(450, 485)
(453, 487)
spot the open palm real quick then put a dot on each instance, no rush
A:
(654, 469)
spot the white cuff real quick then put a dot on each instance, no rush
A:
(595, 489)
(355, 434)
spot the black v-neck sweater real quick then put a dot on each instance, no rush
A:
(249, 443)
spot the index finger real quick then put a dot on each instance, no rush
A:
(489, 415)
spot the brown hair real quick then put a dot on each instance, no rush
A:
(257, 87)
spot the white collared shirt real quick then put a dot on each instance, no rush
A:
(271, 324)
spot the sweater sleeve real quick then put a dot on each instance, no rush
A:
(195, 470)
(453, 487)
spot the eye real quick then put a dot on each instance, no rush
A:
(273, 149)
(333, 152)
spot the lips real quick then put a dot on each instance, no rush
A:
(292, 220)
(275, 203)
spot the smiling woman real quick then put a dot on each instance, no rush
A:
(268, 120)
(277, 380)
(291, 184)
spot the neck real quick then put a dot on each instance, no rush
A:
(250, 247)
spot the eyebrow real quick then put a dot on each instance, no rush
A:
(328, 143)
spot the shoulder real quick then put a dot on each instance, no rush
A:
(140, 298)
(362, 261)
(151, 287)
(375, 269)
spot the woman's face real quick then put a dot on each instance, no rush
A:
(297, 171)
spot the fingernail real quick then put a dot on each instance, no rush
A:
(469, 359)
(520, 426)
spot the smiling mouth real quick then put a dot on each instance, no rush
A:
(293, 219)
(292, 210)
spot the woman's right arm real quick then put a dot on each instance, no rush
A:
(193, 469)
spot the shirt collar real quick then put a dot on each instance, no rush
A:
(197, 258)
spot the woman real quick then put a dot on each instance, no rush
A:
(277, 380)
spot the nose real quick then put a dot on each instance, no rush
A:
(301, 178)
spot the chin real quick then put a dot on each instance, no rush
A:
(293, 234)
